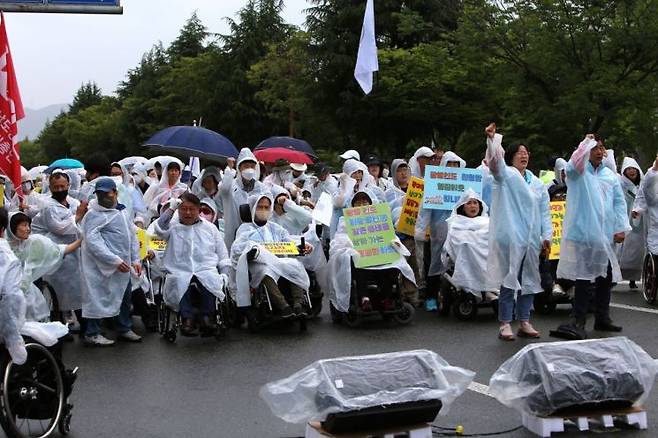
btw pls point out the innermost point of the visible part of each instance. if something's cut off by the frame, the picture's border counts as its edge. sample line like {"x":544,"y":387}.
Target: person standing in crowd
{"x":109,"y":252}
{"x":596,"y":218}
{"x":520,"y":231}
{"x":169,"y":186}
{"x":95,"y":167}
{"x":376,"y":169}
{"x":631,"y":252}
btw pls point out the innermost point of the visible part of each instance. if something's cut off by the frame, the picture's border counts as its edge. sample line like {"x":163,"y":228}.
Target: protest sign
{"x":445,"y":185}
{"x":324,"y":209}
{"x":371,"y":231}
{"x":282,"y":248}
{"x":558,"y":210}
{"x":142,"y":239}
{"x":411,"y":206}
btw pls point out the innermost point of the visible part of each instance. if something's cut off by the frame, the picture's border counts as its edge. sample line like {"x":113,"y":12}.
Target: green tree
{"x":88,"y":94}
{"x":191,"y":40}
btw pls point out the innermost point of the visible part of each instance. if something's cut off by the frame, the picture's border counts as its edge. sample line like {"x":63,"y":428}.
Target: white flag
{"x":366,"y":59}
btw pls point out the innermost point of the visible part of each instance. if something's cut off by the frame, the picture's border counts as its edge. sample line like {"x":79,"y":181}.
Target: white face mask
{"x":248,"y":174}
{"x":118,"y":180}
{"x":263,"y":216}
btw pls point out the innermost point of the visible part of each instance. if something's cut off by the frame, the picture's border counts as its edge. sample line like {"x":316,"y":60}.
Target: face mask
{"x":208,"y":217}
{"x":248,"y":174}
{"x":60,"y":196}
{"x":106,"y":201}
{"x":138,"y":179}
{"x":385,"y":173}
{"x":262,"y":216}
{"x":118,"y":180}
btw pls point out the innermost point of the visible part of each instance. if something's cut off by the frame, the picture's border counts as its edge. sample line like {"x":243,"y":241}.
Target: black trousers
{"x":602,"y":291}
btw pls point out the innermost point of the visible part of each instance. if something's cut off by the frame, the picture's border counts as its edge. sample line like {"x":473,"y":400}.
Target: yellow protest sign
{"x":142,"y":240}
{"x":2,"y":196}
{"x":282,"y":248}
{"x":411,"y":206}
{"x":157,"y":244}
{"x":558,"y":210}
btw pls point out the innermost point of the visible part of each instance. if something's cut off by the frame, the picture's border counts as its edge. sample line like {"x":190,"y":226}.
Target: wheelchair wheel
{"x":406,"y":314}
{"x":33,"y":400}
{"x":65,"y":422}
{"x":649,"y":279}
{"x":465,"y":308}
{"x":51,"y":298}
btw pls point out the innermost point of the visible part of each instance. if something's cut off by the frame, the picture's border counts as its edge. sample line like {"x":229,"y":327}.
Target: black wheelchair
{"x":34,"y":397}
{"x":649,"y":284}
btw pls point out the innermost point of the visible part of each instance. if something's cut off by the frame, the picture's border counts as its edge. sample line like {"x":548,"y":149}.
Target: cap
{"x":322,"y":169}
{"x":372,"y":159}
{"x":351,"y":154}
{"x":298,"y":167}
{"x":105,"y":185}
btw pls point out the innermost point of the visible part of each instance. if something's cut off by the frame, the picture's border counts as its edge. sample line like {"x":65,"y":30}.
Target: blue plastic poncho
{"x":596,"y":210}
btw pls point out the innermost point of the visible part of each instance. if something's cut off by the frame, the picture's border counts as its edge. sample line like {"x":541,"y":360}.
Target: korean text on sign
{"x":445,"y":185}
{"x":411,"y":206}
{"x":370,"y":229}
{"x":282,"y":248}
{"x":558,"y":210}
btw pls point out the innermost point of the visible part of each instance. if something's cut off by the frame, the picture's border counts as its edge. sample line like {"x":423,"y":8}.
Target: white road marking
{"x":636,"y":308}
{"x":480,"y":388}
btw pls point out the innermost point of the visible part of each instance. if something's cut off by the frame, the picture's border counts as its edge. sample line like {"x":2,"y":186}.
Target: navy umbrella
{"x":193,"y":141}
{"x":287,"y":143}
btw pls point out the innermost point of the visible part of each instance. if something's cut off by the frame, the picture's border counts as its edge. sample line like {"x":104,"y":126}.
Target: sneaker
{"x":431,"y":305}
{"x":606,"y":326}
{"x":557,"y":290}
{"x":98,"y":341}
{"x":129,"y":336}
{"x":287,"y":313}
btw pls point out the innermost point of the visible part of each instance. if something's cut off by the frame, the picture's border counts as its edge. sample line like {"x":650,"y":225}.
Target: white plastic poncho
{"x":467,"y":247}
{"x":196,"y":250}
{"x":353,"y":383}
{"x":265,"y":263}
{"x":159,"y":194}
{"x":394,"y":194}
{"x":596,"y":210}
{"x":339,"y":269}
{"x":545,"y":377}
{"x":109,"y":240}
{"x":39,"y":256}
{"x":295,"y":218}
{"x":57,"y":223}
{"x":201,"y":192}
{"x":520,"y":221}
{"x":646,"y":203}
{"x":413,"y":162}
{"x":12,"y":303}
{"x":233,"y":194}
{"x":317,"y":187}
{"x":631,"y":252}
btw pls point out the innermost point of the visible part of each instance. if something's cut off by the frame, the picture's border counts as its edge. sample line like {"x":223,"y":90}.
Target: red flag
{"x":11,"y":111}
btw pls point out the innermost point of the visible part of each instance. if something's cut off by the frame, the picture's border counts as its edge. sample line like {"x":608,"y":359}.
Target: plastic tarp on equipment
{"x":358,"y":382}
{"x":544,"y":378}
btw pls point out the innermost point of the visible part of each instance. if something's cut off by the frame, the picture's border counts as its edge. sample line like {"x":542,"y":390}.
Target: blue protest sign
{"x":445,"y":185}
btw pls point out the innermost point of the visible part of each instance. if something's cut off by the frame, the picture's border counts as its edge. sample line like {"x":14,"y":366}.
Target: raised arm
{"x":580,"y":157}
{"x":495,"y":155}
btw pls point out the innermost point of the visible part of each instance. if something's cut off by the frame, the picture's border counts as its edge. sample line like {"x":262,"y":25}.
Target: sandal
{"x":505,"y":332}
{"x":526,"y":330}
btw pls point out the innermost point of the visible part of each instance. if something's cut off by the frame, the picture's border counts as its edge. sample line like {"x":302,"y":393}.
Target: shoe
{"x":300,"y":311}
{"x":98,"y":341}
{"x":366,"y":305}
{"x":287,"y":313}
{"x":606,"y":326}
{"x":505,"y":332}
{"x":526,"y":330}
{"x":431,"y":305}
{"x":572,"y":331}
{"x":632,"y":284}
{"x":129,"y":336}
{"x":188,"y":329}
{"x":557,"y":290}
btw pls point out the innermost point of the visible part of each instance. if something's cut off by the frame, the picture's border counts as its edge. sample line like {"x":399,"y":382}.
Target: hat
{"x":351,"y":154}
{"x":322,"y":169}
{"x":105,"y":185}
{"x":298,"y":167}
{"x":372,"y":159}
{"x":424,"y":152}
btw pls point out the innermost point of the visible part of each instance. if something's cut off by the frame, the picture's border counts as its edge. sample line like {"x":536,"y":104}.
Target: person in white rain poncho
{"x":169,"y":187}
{"x":435,"y":220}
{"x":30,"y":202}
{"x":421,"y":158}
{"x":38,"y":256}
{"x":646,"y":207}
{"x":294,"y":218}
{"x":341,"y":252}
{"x":397,"y":190}
{"x":58,"y":220}
{"x":109,"y":252}
{"x":235,"y":189}
{"x":520,"y":229}
{"x":251,"y":259}
{"x":140,"y":174}
{"x":129,"y":196}
{"x":376,"y":170}
{"x":195,"y":252}
{"x":207,"y":186}
{"x":631,"y":252}
{"x":557,"y":189}
{"x":467,"y":245}
{"x":596,"y":218}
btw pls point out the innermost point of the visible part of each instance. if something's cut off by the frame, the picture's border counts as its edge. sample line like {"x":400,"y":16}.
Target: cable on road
{"x":440,"y":431}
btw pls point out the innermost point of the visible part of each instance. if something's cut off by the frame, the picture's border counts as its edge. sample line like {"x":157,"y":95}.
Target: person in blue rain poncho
{"x":436,"y":221}
{"x":109,"y":252}
{"x":255,"y":265}
{"x":195,"y":250}
{"x":596,"y":218}
{"x":520,"y":230}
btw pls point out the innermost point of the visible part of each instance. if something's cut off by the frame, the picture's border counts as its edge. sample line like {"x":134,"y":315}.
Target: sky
{"x":55,"y":53}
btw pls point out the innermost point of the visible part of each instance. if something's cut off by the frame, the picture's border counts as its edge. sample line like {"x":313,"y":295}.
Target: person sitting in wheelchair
{"x":466,"y":249}
{"x":341,"y":251}
{"x":196,"y":259}
{"x":255,"y":266}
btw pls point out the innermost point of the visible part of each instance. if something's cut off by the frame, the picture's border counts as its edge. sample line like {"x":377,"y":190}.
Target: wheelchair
{"x":649,"y":284}
{"x":383,"y":290}
{"x":34,"y":397}
{"x":463,"y":304}
{"x":51,"y":298}
{"x":169,"y":321}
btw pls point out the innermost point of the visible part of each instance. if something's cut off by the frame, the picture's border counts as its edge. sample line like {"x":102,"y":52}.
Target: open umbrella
{"x":193,"y":141}
{"x":270,"y":156}
{"x":36,"y":171}
{"x":64,"y":164}
{"x":287,"y":143}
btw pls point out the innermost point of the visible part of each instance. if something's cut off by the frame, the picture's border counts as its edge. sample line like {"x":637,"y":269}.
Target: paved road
{"x":204,"y":388}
